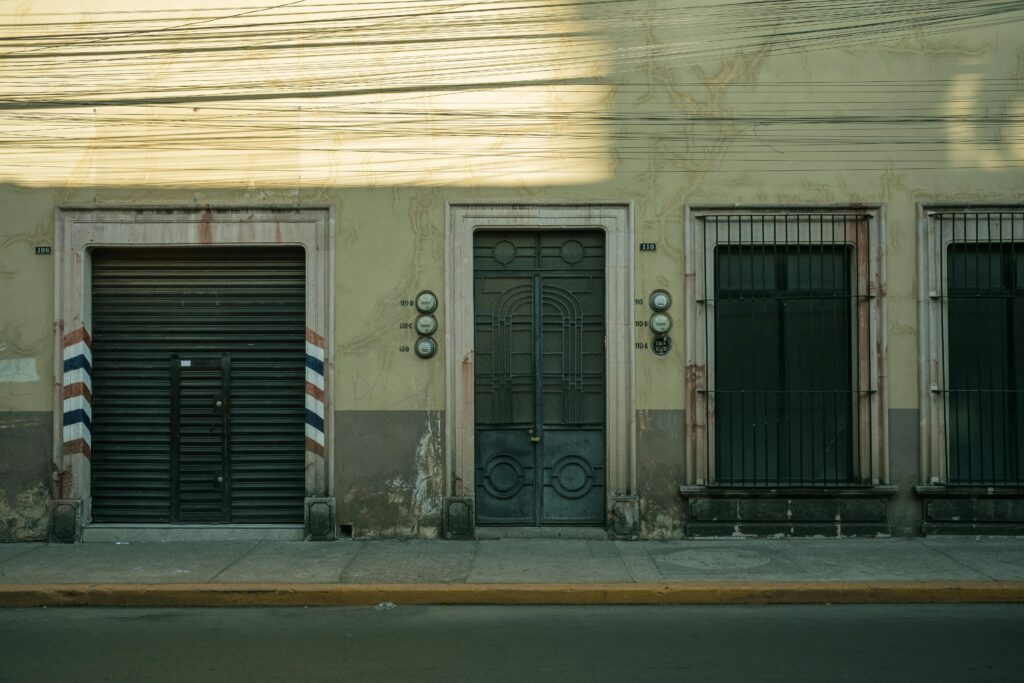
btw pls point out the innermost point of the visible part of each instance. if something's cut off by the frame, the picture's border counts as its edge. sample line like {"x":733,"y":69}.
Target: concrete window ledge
{"x":819,"y":511}
{"x":973,"y":510}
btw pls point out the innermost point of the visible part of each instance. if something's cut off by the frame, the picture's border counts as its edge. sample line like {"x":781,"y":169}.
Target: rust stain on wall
{"x":205,"y":234}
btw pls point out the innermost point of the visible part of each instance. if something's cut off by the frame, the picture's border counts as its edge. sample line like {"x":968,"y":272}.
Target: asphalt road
{"x":734,"y":643}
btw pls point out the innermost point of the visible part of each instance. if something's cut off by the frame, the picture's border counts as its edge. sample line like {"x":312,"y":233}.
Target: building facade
{"x":436,"y":270}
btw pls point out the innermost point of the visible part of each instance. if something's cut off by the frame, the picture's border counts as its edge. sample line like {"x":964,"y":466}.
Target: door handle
{"x":219,"y":482}
{"x":534,"y":438}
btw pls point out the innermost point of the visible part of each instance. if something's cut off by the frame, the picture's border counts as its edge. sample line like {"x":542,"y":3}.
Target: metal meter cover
{"x":425,"y":347}
{"x":426,"y":325}
{"x":660,"y":300}
{"x":661,"y":346}
{"x":660,"y":323}
{"x":426,"y":302}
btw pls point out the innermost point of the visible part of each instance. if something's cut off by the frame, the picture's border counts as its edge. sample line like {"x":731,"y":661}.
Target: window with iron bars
{"x":783,"y":364}
{"x":974,"y":262}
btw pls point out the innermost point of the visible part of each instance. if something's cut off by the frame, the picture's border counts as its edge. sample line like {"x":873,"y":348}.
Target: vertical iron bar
{"x":1004,"y":284}
{"x":746,"y":295}
{"x":863,"y":307}
{"x":1014,"y":395}
{"x":538,"y":394}
{"x":951,"y":397}
{"x":973,"y":379}
{"x":709,"y":310}
{"x":835,"y":326}
{"x":1010,"y":455}
{"x":779,"y":403}
{"x":801,"y":367}
{"x":765,"y":293}
{"x":992,"y":252}
{"x":815,"y":290}
{"x":755,"y":295}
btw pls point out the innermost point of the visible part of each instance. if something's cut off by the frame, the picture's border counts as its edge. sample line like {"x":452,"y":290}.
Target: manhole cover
{"x":718,"y":560}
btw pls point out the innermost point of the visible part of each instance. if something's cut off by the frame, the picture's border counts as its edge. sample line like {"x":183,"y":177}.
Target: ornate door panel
{"x":539,"y":385}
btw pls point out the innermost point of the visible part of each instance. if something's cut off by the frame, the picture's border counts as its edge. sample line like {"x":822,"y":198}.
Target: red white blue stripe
{"x":315,"y":357}
{"x":77,"y":393}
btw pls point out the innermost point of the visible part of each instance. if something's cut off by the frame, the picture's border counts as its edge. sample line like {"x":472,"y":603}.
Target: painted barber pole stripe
{"x":317,"y":380}
{"x":315,"y":352}
{"x":78,"y":377}
{"x":314,"y":434}
{"x":77,"y":393}
{"x":78,"y":447}
{"x":78,"y":349}
{"x":78,"y":335}
{"x":77,"y":389}
{"x":75,"y":432}
{"x":314,"y":391}
{"x":77,"y":403}
{"x":315,"y":363}
{"x":315,"y":406}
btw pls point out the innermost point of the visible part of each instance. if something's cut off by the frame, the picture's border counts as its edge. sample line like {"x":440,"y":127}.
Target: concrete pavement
{"x":514,"y":571}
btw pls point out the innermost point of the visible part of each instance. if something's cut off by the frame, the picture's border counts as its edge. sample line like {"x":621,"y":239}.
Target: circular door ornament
{"x":660,"y":323}
{"x":503,"y":476}
{"x":426,"y":302}
{"x":426,"y":325}
{"x":572,"y":477}
{"x":572,"y":252}
{"x":660,"y":300}
{"x":425,"y":347}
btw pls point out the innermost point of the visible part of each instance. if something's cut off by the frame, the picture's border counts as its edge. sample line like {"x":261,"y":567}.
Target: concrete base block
{"x":459,"y":519}
{"x":777,"y":512}
{"x":624,"y":517}
{"x":320,"y":519}
{"x":67,"y":521}
{"x":192,"y":533}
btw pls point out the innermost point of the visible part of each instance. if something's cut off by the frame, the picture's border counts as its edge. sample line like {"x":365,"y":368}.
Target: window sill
{"x":967,"y":491}
{"x":866,"y":491}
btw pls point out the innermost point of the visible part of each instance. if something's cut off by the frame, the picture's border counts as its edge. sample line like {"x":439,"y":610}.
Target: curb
{"x":705,"y":593}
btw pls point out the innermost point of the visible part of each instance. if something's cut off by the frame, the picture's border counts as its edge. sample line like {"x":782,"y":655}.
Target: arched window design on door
{"x":539,"y":377}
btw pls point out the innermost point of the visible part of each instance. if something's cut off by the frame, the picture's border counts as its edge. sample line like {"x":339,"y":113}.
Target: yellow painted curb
{"x":704,"y":593}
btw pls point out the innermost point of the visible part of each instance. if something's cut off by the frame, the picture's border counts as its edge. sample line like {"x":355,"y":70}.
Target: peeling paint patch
{"x":18,"y":370}
{"x":426,"y":491}
{"x":26,"y":518}
{"x":390,"y":488}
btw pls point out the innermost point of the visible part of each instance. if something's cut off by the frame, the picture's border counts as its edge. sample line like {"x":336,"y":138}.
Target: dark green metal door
{"x":198,"y":385}
{"x":540,"y":377}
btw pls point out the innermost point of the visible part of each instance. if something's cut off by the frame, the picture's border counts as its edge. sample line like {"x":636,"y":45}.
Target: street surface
{"x":730,"y":643}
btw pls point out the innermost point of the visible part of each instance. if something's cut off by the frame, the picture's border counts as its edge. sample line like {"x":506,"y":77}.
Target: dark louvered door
{"x":200,"y":438}
{"x":198,"y":385}
{"x":540,"y":377}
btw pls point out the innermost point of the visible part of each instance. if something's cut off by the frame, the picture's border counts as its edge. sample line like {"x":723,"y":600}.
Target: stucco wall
{"x":685,"y":128}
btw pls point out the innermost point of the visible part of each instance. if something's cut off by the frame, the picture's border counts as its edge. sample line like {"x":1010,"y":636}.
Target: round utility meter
{"x":660,"y":323}
{"x":661,"y":345}
{"x":426,"y":325}
{"x":426,"y":302}
{"x":660,"y":300}
{"x":425,"y":347}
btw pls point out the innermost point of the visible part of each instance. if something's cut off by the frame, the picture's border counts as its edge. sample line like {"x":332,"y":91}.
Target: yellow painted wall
{"x":386,"y":111}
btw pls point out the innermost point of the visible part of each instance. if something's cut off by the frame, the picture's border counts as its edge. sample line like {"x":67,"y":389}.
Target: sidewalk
{"x":963,"y":569}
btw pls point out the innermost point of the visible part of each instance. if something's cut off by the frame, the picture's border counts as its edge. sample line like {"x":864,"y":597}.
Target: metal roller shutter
{"x":198,"y":354}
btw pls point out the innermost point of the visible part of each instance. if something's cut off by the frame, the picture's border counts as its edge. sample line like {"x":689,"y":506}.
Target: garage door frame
{"x":80,"y":229}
